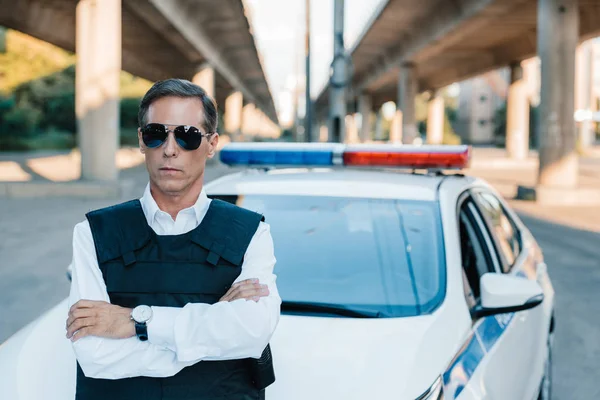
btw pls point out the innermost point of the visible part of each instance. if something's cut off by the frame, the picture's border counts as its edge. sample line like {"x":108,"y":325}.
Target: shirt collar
{"x":151,"y":208}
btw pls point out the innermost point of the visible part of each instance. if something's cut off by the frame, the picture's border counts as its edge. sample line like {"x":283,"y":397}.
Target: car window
{"x":374,"y":255}
{"x":502,"y":227}
{"x":477,"y":259}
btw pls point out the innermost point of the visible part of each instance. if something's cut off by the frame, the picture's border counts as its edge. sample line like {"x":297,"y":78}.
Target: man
{"x":173,"y":296}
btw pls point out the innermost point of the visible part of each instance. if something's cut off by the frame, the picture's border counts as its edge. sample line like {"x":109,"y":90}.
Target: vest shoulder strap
{"x":118,"y":231}
{"x":226,"y":231}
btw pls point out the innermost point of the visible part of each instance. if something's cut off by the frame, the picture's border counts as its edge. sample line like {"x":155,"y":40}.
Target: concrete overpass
{"x":410,"y":47}
{"x":208,"y":42}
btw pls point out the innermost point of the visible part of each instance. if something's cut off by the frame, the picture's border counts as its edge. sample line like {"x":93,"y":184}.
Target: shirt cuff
{"x":161,"y":328}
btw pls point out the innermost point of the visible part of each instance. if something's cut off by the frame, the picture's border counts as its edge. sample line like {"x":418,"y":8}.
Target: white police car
{"x":395,"y":285}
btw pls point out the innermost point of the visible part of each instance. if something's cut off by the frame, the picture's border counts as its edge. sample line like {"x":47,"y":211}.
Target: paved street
{"x":35,"y":249}
{"x":35,"y":240}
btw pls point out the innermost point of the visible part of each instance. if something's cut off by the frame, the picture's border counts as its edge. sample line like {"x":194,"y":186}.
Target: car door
{"x":496,"y":367}
{"x":526,"y":338}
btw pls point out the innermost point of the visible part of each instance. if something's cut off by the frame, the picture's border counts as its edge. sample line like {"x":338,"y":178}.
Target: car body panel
{"x":38,"y":362}
{"x":348,"y":358}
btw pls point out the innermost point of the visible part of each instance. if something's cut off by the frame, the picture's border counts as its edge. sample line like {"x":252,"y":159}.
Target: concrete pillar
{"x":407,"y":92}
{"x":205,"y":78}
{"x":365,"y":106}
{"x":351,"y":129}
{"x":249,"y":120}
{"x":323,"y":133}
{"x":396,"y":128}
{"x":435,"y":118}
{"x":98,"y":68}
{"x":379,"y":125}
{"x":584,"y":86}
{"x":264,"y":126}
{"x":517,"y":115}
{"x":233,"y":113}
{"x":339,"y":78}
{"x":558,"y":33}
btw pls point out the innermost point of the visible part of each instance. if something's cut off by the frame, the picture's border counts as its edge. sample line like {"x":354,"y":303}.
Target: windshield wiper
{"x":324,"y":308}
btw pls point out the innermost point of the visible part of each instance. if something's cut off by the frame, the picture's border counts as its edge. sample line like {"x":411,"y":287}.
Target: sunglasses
{"x":187,"y":136}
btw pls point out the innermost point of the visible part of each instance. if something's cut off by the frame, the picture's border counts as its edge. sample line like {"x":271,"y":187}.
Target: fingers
{"x":244,"y":282}
{"x":79,"y":324}
{"x":230,"y":292}
{"x":252,"y":291}
{"x":86,"y":304}
{"x":79,"y":313}
{"x":81,"y":333}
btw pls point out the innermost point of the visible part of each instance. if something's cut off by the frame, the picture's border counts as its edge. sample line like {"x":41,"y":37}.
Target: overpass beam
{"x":558,"y":34}
{"x":233,"y":114}
{"x":205,"y":78}
{"x":97,"y":77}
{"x":365,"y":105}
{"x":517,"y":115}
{"x":435,"y":118}
{"x":407,"y":93}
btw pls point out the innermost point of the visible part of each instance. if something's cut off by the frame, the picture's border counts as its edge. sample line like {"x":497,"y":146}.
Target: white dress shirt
{"x":177,"y":337}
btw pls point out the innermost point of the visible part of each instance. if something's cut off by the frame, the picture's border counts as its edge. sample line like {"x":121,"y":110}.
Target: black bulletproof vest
{"x":141,"y":267}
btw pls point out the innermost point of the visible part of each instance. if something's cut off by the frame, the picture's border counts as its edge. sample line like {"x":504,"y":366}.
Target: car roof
{"x":331,"y":182}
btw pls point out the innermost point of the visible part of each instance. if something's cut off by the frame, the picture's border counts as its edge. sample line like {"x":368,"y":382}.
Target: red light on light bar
{"x":409,"y":159}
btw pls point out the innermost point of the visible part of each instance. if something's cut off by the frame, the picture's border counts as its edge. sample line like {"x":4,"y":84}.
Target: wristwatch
{"x":141,"y":315}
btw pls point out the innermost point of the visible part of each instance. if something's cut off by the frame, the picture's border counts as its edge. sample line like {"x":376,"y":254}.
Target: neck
{"x":173,"y":202}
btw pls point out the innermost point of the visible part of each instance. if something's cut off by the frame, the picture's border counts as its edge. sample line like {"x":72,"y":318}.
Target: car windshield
{"x":354,"y":257}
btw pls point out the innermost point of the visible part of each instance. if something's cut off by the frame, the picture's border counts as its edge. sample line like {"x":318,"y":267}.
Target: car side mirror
{"x":502,"y":294}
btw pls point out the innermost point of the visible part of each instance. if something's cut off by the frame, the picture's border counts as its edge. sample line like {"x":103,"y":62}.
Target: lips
{"x":169,"y":169}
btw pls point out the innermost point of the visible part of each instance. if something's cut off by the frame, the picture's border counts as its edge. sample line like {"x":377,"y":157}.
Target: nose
{"x":170,"y":148}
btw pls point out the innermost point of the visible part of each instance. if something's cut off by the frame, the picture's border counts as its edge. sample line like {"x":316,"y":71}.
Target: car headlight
{"x":435,"y":392}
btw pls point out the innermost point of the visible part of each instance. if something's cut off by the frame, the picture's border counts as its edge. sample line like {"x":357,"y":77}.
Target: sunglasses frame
{"x":166,"y":128}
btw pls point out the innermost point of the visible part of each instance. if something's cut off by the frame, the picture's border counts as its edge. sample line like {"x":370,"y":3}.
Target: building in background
{"x":479,"y":100}
{"x":483,"y":97}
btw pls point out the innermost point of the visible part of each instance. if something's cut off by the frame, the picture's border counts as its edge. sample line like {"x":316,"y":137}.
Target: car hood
{"x":348,"y":358}
{"x":38,"y":361}
{"x":314,"y":357}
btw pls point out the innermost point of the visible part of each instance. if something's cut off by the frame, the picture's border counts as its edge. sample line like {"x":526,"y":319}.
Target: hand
{"x":99,"y":318}
{"x":250,"y":289}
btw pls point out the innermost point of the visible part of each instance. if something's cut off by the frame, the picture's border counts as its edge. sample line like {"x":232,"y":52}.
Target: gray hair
{"x":184,"y":89}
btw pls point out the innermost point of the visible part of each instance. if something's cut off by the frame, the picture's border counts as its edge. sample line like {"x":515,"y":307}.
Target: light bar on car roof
{"x":330,"y":154}
{"x":426,"y":157}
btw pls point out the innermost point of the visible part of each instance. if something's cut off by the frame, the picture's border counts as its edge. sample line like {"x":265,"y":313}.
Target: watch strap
{"x":141,"y":331}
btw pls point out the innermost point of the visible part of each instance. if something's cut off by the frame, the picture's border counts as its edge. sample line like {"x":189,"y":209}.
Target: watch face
{"x":142,"y":314}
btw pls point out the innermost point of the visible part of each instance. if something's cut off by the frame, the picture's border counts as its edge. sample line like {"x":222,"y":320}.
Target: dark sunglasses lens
{"x":188,"y":137}
{"x":154,"y":135}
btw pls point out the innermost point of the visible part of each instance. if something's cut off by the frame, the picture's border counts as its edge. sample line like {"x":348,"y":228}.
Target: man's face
{"x":172,"y":169}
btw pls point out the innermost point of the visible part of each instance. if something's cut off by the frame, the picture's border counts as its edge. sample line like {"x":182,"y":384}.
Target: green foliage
{"x":500,"y":126}
{"x":22,"y":121}
{"x":451,"y":113}
{"x":450,"y":137}
{"x":27,"y":58}
{"x":128,"y":136}
{"x":129,"y":112}
{"x":37,"y":96}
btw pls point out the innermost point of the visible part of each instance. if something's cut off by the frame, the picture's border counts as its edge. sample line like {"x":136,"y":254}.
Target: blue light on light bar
{"x":303,"y":154}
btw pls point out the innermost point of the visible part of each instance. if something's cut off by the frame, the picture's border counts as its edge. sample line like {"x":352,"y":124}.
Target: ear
{"x":213,"y":144}
{"x":141,"y":142}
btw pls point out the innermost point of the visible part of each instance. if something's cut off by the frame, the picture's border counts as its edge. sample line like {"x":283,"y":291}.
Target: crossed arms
{"x":239,"y":326}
